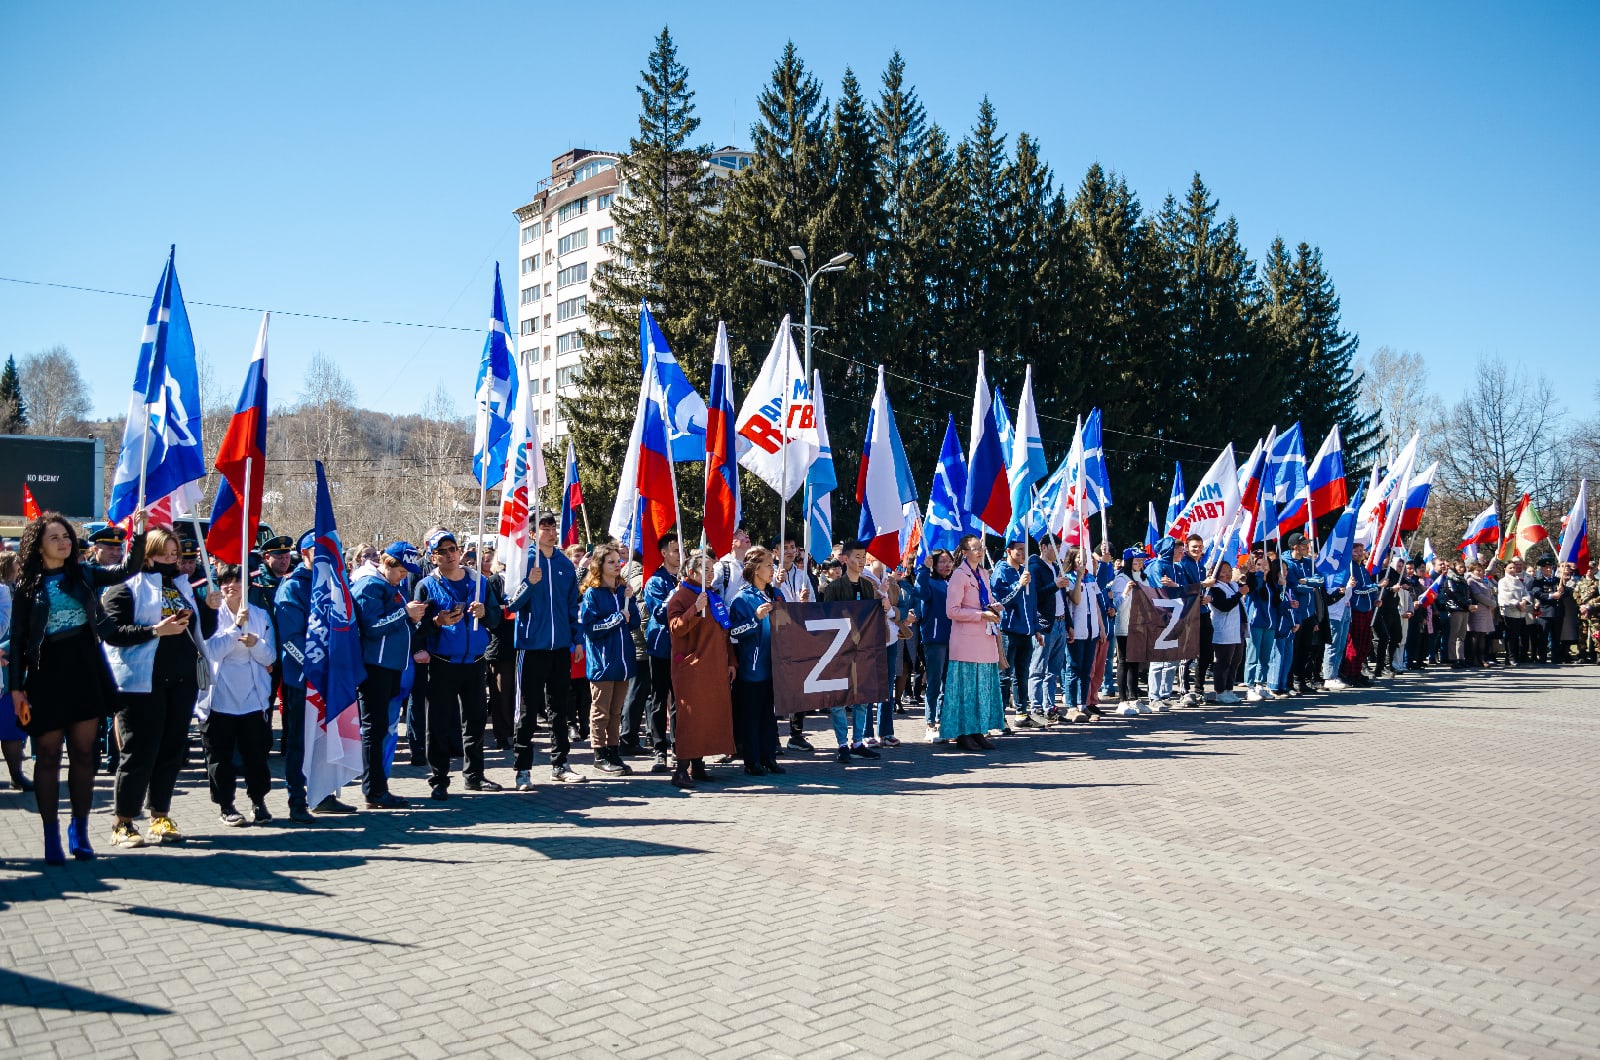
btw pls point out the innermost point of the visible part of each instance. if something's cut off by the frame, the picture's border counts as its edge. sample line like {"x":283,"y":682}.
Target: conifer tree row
{"x":1161,"y":318}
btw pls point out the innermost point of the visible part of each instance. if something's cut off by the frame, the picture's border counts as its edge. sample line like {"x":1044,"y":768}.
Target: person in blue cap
{"x":292,"y":608}
{"x":386,"y":619}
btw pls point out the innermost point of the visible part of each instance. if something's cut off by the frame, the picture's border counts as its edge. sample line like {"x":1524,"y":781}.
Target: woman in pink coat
{"x":972,"y":703}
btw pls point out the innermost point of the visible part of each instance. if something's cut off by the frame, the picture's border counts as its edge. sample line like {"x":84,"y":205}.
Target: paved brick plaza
{"x":1410,"y":871}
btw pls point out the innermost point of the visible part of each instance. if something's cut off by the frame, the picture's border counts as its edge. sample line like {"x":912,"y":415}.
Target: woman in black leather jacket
{"x":61,"y":685}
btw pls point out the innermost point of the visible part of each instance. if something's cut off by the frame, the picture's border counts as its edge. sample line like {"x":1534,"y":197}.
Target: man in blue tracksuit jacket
{"x":291,"y":607}
{"x":1019,"y":625}
{"x":546,"y":610}
{"x":1050,"y":651}
{"x":386,"y":619}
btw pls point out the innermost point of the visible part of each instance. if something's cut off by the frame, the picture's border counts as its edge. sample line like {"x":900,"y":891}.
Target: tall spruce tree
{"x":13,"y":407}
{"x":663,"y":222}
{"x":982,"y":239}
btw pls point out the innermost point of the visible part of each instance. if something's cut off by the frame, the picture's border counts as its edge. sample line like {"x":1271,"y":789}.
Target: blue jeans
{"x":294,"y":743}
{"x":1046,"y":672}
{"x":935,"y":657}
{"x":1257,"y":655}
{"x":1080,"y":668}
{"x":1333,"y":654}
{"x":1282,"y":662}
{"x":1108,"y":684}
{"x":1162,"y":677}
{"x":886,"y":707}
{"x":848,"y":720}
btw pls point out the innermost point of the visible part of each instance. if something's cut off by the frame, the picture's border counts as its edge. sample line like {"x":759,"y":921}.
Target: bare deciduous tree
{"x":1394,"y":386}
{"x":57,"y":396}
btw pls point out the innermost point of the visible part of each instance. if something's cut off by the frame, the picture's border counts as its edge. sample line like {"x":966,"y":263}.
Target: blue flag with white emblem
{"x":946,"y":521}
{"x":1333,"y":562}
{"x":163,"y":430}
{"x":685,"y":410}
{"x":496,"y":395}
{"x":333,"y":666}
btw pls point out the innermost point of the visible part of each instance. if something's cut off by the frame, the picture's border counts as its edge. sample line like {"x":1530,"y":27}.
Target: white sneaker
{"x":1230,"y":697}
{"x":1128,"y":710}
{"x":931,"y":734}
{"x":1333,"y":684}
{"x":1268,"y":694}
{"x":524,"y":780}
{"x":872,"y":741}
{"x":1193,"y":699}
{"x":1143,"y":706}
{"x":1160,"y":706}
{"x":1253,"y":695}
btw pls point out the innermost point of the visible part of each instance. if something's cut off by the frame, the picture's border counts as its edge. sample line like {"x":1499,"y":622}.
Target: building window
{"x":547,"y":320}
{"x":572,"y":307}
{"x":547,"y":353}
{"x":547,"y":384}
{"x":549,"y":256}
{"x":530,"y":325}
{"x":547,"y":417}
{"x":606,"y":334}
{"x":593,"y":167}
{"x":529,"y":264}
{"x":547,"y":291}
{"x":572,"y":274}
{"x":568,"y":376}
{"x":569,"y":341}
{"x":604,"y":236}
{"x":530,"y":233}
{"x":530,"y":295}
{"x":572,"y":241}
{"x":603,"y":200}
{"x":575,"y":208}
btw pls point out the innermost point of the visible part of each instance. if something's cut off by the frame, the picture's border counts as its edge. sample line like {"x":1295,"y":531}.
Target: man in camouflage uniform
{"x":1586,"y":593}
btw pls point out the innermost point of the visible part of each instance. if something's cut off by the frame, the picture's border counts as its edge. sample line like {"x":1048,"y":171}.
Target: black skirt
{"x":72,"y":683}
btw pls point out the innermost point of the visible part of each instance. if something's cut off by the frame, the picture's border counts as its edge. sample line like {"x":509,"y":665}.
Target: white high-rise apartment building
{"x":565,"y":237}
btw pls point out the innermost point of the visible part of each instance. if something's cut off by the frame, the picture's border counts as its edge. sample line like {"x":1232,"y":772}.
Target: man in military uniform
{"x":1546,"y":591}
{"x":1586,"y":594}
{"x":104,"y":542}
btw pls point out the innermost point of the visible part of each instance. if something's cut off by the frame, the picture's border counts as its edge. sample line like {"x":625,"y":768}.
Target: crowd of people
{"x":118,"y":648}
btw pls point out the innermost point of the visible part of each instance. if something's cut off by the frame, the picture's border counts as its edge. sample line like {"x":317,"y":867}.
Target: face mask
{"x":166,"y":570}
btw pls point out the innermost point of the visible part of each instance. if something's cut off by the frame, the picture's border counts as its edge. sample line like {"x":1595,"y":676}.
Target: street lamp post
{"x":837,"y":263}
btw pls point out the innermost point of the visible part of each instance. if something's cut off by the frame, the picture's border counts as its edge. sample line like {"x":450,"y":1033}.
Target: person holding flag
{"x":386,"y":620}
{"x":1517,"y":610}
{"x":545,"y":606}
{"x":233,"y":710}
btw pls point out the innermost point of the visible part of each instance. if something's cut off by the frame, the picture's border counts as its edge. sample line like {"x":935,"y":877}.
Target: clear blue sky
{"x":364,"y":160}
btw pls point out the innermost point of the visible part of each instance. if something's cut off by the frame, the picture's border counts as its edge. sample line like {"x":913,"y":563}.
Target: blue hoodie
{"x":931,"y":594}
{"x":291,"y":608}
{"x":465,"y":641}
{"x":657,"y":637}
{"x":547,"y":613}
{"x":385,"y":626}
{"x":1259,"y":601}
{"x":606,"y":616}
{"x":1019,"y":615}
{"x":752,"y":636}
{"x":1163,"y":566}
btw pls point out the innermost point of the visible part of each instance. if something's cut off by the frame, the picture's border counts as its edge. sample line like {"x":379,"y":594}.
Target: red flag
{"x":30,"y":507}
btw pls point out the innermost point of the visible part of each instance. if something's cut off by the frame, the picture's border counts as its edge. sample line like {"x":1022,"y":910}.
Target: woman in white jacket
{"x":233,"y":710}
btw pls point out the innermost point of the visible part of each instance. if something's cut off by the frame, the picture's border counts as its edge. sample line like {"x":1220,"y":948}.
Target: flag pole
{"x":205,"y":560}
{"x":477,"y":583}
{"x":244,"y":535}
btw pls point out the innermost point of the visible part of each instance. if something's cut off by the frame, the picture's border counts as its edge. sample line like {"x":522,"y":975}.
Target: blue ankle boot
{"x":78,"y":839}
{"x":52,"y":845}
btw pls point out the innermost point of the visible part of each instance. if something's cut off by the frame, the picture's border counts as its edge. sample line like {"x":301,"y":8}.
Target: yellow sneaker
{"x":162,"y":830}
{"x":126,"y":835}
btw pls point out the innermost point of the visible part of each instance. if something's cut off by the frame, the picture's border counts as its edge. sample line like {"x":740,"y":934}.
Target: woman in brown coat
{"x":702,"y":676}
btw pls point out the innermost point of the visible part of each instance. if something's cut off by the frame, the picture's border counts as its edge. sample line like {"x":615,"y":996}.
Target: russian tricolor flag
{"x":1483,"y":530}
{"x":571,"y":498}
{"x":1574,"y":546}
{"x":1324,"y":483}
{"x":722,"y":454}
{"x":1417,"y":498}
{"x":647,"y":506}
{"x":878,"y":487}
{"x":988,"y":498}
{"x":242,"y":463}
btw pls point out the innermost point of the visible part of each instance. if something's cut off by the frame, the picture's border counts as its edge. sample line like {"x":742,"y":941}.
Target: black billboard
{"x":65,"y":475}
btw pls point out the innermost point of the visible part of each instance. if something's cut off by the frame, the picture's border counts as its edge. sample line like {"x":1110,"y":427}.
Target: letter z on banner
{"x":1164,"y":625}
{"x":828,"y":655}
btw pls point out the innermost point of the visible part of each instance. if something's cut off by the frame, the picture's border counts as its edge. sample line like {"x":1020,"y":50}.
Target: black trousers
{"x":375,"y":694}
{"x":154,"y":727}
{"x":1387,"y":629}
{"x":636,"y":707}
{"x":755,"y":727}
{"x":547,"y":680}
{"x":1308,"y":651}
{"x":1128,"y":673}
{"x":1416,"y":641}
{"x":1228,"y":662}
{"x":663,"y":709}
{"x":457,"y":703}
{"x":417,"y":715}
{"x":502,"y":671}
{"x":251,"y":736}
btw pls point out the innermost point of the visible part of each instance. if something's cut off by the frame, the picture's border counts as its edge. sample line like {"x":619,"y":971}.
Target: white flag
{"x":777,"y":424}
{"x":1213,"y":503}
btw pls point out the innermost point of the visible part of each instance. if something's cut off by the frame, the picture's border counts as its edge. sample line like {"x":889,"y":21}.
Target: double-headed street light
{"x":837,"y":263}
